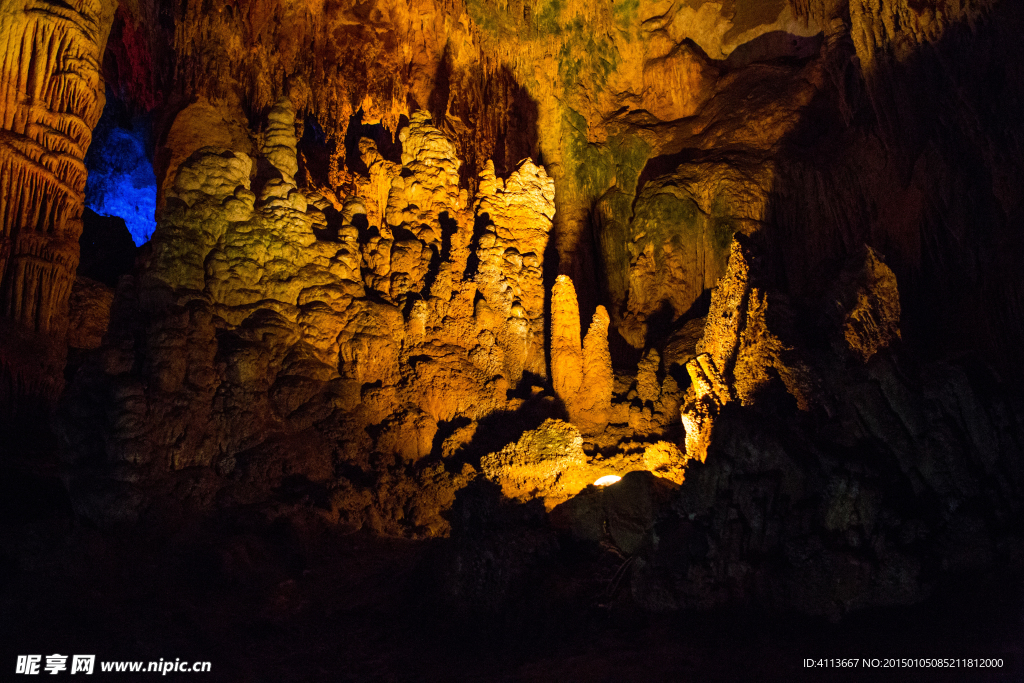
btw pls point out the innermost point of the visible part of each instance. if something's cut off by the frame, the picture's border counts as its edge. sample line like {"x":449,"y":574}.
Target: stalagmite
{"x":581,"y":373}
{"x":518,"y":214}
{"x":566,"y":347}
{"x":593,"y":403}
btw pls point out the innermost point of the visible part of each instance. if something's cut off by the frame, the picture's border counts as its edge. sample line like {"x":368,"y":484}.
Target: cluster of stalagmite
{"x":395,"y":322}
{"x":382,"y":337}
{"x":580,"y":373}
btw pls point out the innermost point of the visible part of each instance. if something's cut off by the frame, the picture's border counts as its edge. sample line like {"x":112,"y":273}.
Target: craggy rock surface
{"x":51,"y":97}
{"x":264,"y":342}
{"x":428,"y":271}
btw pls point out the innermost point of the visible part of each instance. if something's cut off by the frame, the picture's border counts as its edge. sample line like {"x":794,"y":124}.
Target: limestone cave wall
{"x":759,"y":259}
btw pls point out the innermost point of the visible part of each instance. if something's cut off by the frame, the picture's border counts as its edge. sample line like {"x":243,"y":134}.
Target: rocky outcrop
{"x":715,"y":180}
{"x":739,"y":355}
{"x":867,"y":307}
{"x":546,"y":463}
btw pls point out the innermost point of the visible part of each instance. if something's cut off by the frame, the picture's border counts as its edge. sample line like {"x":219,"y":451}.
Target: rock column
{"x":51,"y":97}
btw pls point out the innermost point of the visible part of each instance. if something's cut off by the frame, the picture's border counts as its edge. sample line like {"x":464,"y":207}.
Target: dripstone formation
{"x":52,"y":98}
{"x":432,"y":270}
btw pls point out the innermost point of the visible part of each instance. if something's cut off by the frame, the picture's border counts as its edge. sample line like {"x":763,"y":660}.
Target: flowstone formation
{"x":50,"y":55}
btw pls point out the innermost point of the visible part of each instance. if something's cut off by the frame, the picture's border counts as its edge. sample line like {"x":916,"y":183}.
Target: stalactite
{"x":51,"y":96}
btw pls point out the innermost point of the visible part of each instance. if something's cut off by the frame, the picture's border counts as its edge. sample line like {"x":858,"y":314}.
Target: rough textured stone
{"x":544,"y":463}
{"x":89,"y":313}
{"x":343,"y":312}
{"x":51,"y":97}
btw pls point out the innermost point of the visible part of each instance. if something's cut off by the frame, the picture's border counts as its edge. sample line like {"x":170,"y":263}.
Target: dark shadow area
{"x":315,"y":151}
{"x":775,"y":45}
{"x":334,"y":222}
{"x":481,"y":223}
{"x":448,"y":228}
{"x":507,"y":597}
{"x":910,"y":162}
{"x":106,"y":248}
{"x":488,"y":114}
{"x":551,"y":271}
{"x":500,"y":428}
{"x":388,"y":144}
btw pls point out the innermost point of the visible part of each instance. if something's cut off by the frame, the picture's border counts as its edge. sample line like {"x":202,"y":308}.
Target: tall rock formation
{"x":581,"y":373}
{"x":51,"y":97}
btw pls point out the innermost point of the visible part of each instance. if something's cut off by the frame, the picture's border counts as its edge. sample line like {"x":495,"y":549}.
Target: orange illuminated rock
{"x":593,"y":402}
{"x":51,"y":98}
{"x":50,"y":55}
{"x":581,"y":373}
{"x":510,"y":251}
{"x":546,"y":463}
{"x":566,"y":346}
{"x":740,"y":354}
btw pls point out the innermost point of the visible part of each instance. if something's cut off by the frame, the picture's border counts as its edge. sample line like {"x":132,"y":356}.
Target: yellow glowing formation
{"x":607,"y":480}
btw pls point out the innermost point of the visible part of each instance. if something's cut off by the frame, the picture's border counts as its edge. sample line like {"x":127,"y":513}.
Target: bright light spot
{"x":607,"y":480}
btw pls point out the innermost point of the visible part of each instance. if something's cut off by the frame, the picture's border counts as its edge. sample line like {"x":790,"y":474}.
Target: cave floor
{"x":293,"y":600}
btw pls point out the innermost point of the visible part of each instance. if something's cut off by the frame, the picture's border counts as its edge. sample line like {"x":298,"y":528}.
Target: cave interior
{"x":508,"y":340}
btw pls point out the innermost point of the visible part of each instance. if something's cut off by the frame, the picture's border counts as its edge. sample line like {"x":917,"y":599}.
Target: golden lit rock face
{"x":51,"y":97}
{"x":549,"y":463}
{"x":740,"y":354}
{"x":545,"y":463}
